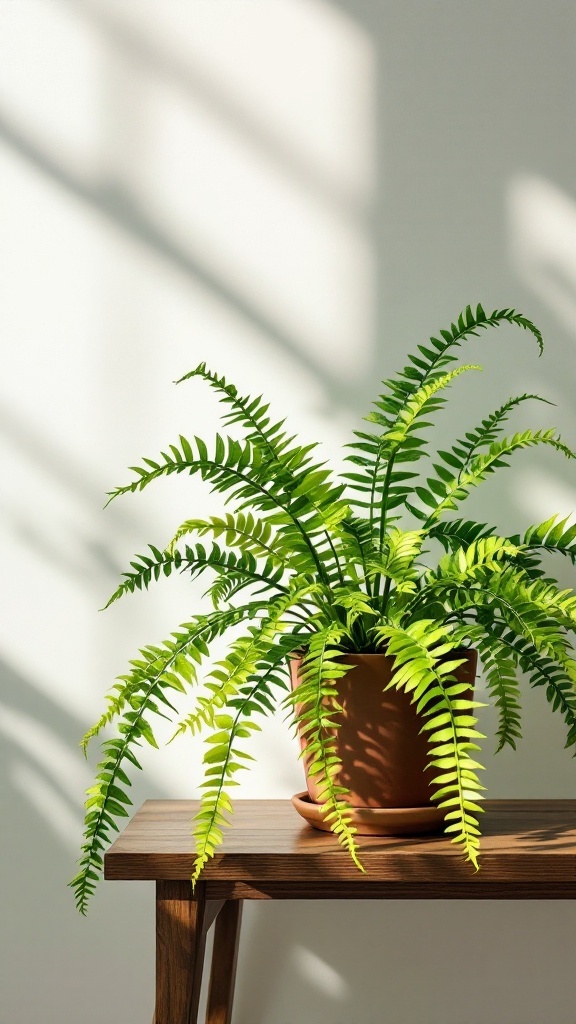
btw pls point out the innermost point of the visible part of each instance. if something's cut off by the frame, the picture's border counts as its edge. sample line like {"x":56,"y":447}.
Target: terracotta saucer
{"x":376,"y":821}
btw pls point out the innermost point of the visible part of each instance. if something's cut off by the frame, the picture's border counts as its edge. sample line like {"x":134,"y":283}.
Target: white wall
{"x":297,"y":191}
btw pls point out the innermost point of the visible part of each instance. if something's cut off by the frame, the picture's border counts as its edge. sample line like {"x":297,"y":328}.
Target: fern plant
{"x":304,"y":561}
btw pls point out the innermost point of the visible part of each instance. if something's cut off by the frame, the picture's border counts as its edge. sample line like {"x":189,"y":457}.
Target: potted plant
{"x":328,"y":574}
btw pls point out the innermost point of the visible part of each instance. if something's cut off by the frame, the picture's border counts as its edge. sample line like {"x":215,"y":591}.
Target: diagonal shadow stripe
{"x":114,"y":202}
{"x":141,"y":49}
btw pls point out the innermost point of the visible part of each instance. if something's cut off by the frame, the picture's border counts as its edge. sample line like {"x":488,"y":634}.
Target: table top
{"x":527,"y":845}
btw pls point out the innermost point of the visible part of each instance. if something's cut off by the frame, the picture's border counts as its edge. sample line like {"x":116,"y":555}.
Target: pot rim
{"x":298,"y":655}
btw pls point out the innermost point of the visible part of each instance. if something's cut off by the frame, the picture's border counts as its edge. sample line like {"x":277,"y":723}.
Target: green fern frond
{"x":306,"y":503}
{"x":243,"y":531}
{"x":159,"y":670}
{"x":553,"y":535}
{"x":252,"y":413}
{"x":463,"y":575}
{"x":557,"y":677}
{"x":465,"y":449}
{"x":358,"y":615}
{"x":486,"y":553}
{"x":559,"y":681}
{"x":397,"y":566}
{"x":418,"y":404}
{"x":532,"y":609}
{"x":316,"y":498}
{"x":210,"y":712}
{"x":292,"y":467}
{"x":315,"y":698}
{"x":357,"y":540}
{"x":443,"y":494}
{"x":424,"y":367}
{"x":197,"y":560}
{"x":425,"y":658}
{"x":397,"y":443}
{"x":169,"y":667}
{"x":232,"y":671}
{"x":236,"y":579}
{"x":232,"y":467}
{"x":432,"y":361}
{"x":501,"y":665}
{"x":223,"y":758}
{"x":556,"y":608}
{"x":144,"y":570}
{"x":459,"y":533}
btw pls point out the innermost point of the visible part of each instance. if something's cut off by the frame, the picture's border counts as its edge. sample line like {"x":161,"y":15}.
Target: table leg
{"x":224,"y":959}
{"x":180,"y":939}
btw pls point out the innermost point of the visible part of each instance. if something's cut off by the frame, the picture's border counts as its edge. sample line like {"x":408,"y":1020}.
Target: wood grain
{"x":256,"y":890}
{"x":530,"y":844}
{"x":224,"y":960}
{"x":180,"y":937}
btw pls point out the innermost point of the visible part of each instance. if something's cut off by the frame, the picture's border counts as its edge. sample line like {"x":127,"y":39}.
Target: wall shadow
{"x":49,"y":951}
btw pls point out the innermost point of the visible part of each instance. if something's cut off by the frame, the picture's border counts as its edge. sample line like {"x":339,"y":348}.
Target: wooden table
{"x":528,"y":852}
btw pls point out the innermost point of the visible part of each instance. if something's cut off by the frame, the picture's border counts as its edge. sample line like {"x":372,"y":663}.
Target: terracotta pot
{"x":383,"y":752}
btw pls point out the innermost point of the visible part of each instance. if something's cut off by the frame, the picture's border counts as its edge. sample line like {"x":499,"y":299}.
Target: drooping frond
{"x":501,"y":666}
{"x":208,"y":708}
{"x":558,"y":679}
{"x":557,"y":608}
{"x":316,"y":702}
{"x":159,"y":671}
{"x":532,"y":609}
{"x":462,"y":577}
{"x":232,"y":671}
{"x":560,"y":686}
{"x":223,"y":757}
{"x":170,"y":665}
{"x":235,"y":579}
{"x":234,"y":683}
{"x":425,"y":658}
